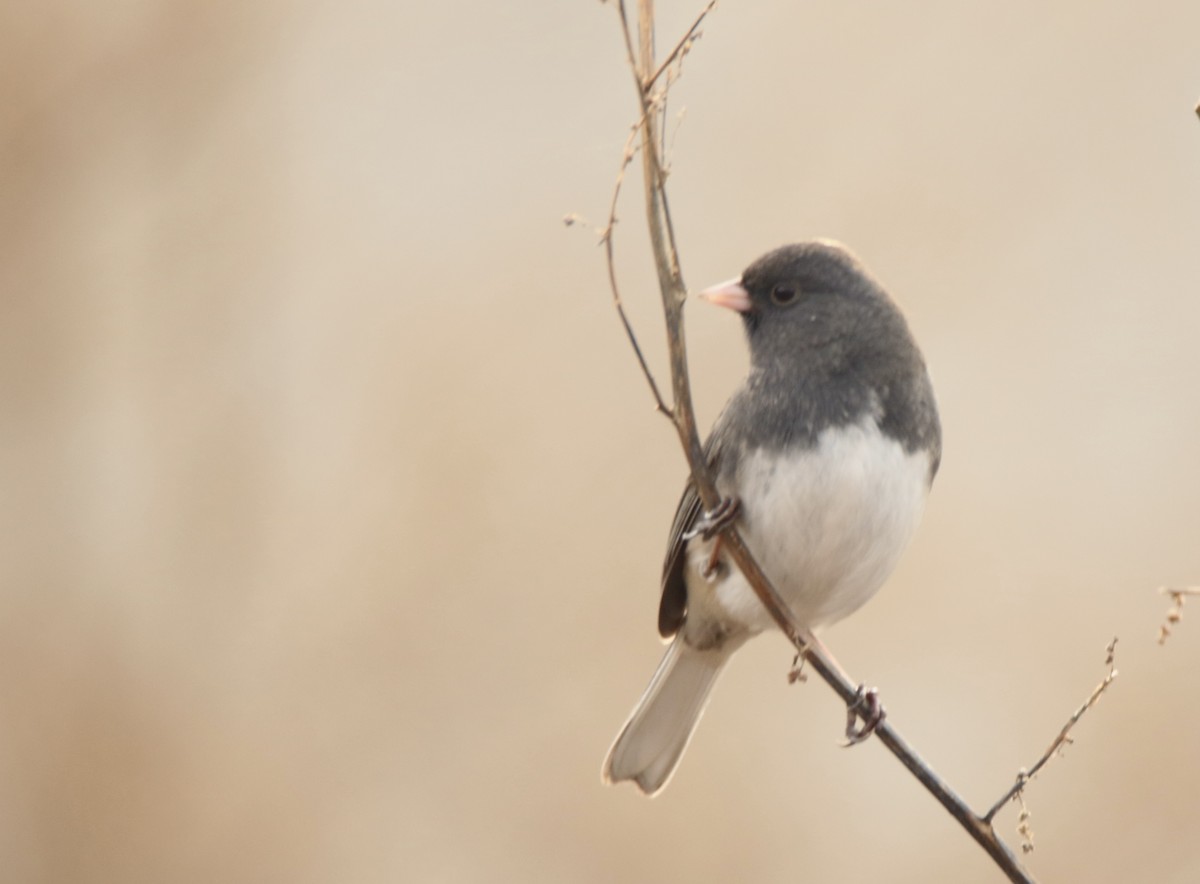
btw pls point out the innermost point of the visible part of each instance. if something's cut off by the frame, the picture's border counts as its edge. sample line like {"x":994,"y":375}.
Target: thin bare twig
{"x":630,"y":53}
{"x":687,"y":37}
{"x":607,"y":238}
{"x":674,"y":293}
{"x":1063,"y":738}
{"x":674,"y":57}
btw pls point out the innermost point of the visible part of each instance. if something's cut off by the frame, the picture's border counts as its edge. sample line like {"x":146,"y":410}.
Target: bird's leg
{"x":717,"y":520}
{"x":810,"y":638}
{"x":866,"y":700}
{"x":866,"y":703}
{"x":713,"y":563}
{"x":709,"y":527}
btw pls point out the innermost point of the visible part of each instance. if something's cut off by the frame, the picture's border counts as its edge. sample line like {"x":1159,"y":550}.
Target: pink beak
{"x":730,"y":294}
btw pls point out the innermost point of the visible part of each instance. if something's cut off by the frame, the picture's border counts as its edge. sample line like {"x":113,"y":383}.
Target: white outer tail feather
{"x":650,"y":745}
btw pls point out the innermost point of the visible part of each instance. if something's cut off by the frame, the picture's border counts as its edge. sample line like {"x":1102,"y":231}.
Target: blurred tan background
{"x":333,"y":502}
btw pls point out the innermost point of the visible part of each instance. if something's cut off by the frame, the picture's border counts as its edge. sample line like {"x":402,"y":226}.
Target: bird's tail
{"x":650,"y":745}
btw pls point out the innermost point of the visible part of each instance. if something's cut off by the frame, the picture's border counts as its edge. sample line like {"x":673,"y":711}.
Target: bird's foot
{"x":866,"y":704}
{"x":716,"y":520}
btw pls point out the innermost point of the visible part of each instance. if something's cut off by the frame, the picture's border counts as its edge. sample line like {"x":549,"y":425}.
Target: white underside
{"x":827,"y":526}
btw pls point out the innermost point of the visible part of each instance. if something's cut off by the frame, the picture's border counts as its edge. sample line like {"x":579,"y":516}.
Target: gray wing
{"x":672,"y":607}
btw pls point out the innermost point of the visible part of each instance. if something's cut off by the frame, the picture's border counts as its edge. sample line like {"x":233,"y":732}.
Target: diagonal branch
{"x":1063,"y":738}
{"x":687,"y":37}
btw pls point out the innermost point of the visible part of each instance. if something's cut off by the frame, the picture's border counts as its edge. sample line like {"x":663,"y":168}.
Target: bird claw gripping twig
{"x":716,"y":520}
{"x":866,"y":703}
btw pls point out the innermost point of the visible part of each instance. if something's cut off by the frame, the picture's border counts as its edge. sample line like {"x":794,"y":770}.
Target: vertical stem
{"x":670,"y":280}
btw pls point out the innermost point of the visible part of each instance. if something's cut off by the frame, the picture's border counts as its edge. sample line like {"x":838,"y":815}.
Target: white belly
{"x":828,"y":526}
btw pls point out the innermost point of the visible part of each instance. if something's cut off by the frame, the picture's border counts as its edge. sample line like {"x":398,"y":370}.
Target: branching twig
{"x":684,"y":41}
{"x":606,"y":238}
{"x":682,"y":416}
{"x":1178,"y":595}
{"x":1063,"y":739}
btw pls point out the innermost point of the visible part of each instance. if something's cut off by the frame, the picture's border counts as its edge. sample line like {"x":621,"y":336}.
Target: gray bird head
{"x":827,"y":345}
{"x":809,"y":304}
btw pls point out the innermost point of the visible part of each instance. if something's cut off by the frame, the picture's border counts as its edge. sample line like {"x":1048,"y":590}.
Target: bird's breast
{"x":827,"y":522}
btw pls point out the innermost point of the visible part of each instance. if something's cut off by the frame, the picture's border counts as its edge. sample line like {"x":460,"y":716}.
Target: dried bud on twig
{"x":1178,"y":595}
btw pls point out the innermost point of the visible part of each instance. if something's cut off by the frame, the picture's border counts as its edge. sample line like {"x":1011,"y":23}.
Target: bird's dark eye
{"x":783,"y":294}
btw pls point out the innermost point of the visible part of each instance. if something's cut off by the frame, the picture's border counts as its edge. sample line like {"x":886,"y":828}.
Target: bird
{"x":824,"y":456}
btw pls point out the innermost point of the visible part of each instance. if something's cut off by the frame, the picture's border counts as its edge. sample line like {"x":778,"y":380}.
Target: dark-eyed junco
{"x":828,"y":449}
